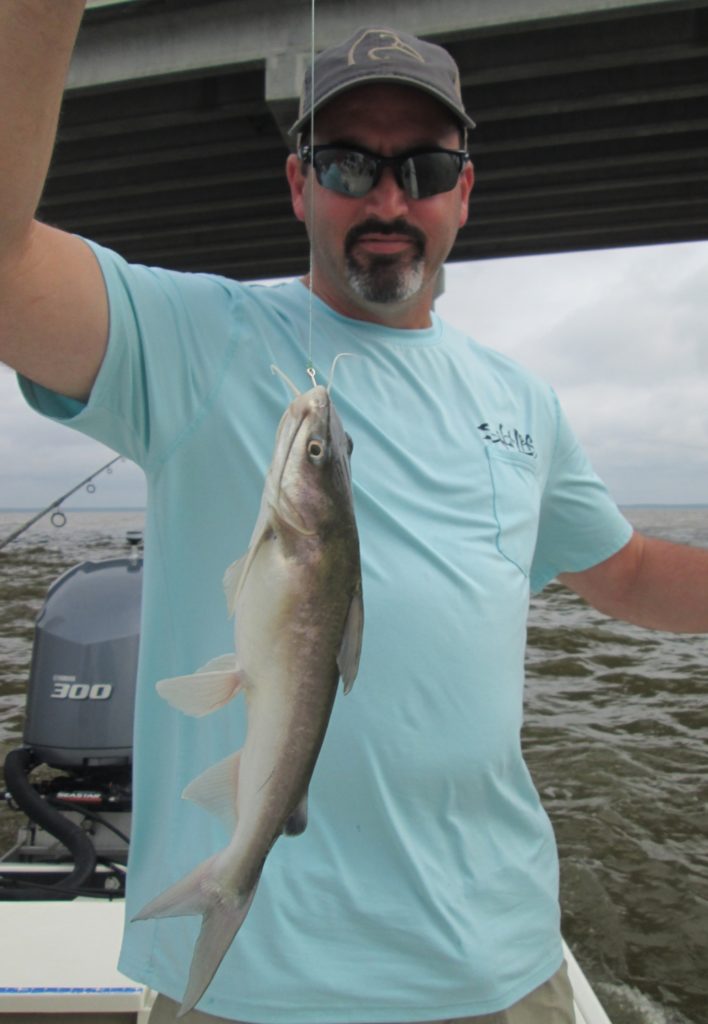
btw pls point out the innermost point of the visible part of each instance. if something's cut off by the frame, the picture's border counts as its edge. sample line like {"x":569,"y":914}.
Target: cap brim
{"x":389,"y":79}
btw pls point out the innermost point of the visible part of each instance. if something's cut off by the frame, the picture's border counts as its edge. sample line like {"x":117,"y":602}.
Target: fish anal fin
{"x":350,"y":648}
{"x":216,"y":788}
{"x":201,"y":693}
{"x":188,"y":896}
{"x":296,"y":823}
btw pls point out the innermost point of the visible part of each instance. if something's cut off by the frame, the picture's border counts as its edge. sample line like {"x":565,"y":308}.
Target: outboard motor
{"x":82,"y":680}
{"x":79,"y":720}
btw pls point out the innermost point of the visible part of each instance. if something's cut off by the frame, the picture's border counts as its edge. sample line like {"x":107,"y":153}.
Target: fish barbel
{"x":297,"y":599}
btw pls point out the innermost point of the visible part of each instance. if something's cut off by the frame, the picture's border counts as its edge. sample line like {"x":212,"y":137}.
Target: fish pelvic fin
{"x":223,"y":912}
{"x":350,"y":648}
{"x":204,"y":691}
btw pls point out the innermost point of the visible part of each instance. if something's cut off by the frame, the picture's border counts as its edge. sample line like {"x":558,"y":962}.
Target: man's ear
{"x":296,"y":181}
{"x":467,"y":184}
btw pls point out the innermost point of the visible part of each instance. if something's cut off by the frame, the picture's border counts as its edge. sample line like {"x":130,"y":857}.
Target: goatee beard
{"x":385,"y":278}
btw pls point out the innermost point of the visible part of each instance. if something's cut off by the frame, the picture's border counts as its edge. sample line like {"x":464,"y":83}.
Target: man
{"x":425,"y":886}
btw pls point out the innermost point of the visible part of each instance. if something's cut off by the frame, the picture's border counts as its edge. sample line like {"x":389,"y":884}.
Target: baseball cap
{"x":382,"y":55}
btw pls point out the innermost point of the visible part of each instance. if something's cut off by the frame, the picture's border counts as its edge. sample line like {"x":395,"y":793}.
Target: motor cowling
{"x":81,"y":691}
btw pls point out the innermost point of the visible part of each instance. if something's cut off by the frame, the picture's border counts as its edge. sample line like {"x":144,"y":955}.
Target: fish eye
{"x":350,"y":444}
{"x":315,"y":448}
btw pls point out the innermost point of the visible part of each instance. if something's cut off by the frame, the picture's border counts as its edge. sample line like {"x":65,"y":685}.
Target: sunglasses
{"x":354,"y":172}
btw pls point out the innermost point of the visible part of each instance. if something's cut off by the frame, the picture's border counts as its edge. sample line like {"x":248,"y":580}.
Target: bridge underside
{"x":592,"y":128}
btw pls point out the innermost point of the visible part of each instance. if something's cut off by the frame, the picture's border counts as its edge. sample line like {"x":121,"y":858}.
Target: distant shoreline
{"x":78,"y":508}
{"x":141,"y":508}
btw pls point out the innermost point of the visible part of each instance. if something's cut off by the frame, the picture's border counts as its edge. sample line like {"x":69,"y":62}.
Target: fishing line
{"x":311,"y":177}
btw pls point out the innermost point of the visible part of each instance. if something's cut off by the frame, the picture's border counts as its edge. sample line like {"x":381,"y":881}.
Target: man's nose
{"x":387,"y":197}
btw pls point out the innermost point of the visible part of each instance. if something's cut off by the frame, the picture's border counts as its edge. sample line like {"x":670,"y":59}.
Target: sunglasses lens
{"x":428,"y":174}
{"x":345,"y":171}
{"x":353,"y":173}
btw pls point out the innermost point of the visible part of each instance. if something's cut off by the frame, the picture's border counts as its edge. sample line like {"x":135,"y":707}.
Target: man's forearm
{"x":53,"y":305}
{"x":651,"y":583}
{"x":36,"y":41}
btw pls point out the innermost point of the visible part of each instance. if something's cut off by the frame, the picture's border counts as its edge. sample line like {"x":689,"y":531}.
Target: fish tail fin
{"x":220,"y":924}
{"x":223,"y":912}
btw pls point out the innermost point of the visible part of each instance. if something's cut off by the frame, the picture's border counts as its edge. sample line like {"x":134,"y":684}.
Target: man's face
{"x":377,"y":257}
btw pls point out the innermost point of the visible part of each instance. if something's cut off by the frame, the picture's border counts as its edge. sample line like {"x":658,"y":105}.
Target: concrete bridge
{"x":592,"y":124}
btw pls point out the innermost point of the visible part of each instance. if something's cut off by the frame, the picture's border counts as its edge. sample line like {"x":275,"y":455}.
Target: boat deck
{"x":57,"y":964}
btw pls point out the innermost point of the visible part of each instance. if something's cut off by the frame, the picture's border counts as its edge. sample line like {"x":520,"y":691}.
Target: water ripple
{"x":616,"y":736}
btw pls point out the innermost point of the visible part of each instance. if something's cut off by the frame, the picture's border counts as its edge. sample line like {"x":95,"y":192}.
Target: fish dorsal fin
{"x":202,"y":692}
{"x":296,"y":823}
{"x":350,"y":647}
{"x":216,"y":790}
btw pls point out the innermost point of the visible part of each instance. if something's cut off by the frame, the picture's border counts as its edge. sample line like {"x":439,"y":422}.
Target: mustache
{"x":381,"y":227}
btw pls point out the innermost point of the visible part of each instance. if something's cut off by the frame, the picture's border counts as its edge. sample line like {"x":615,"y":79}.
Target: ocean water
{"x":616,"y":736}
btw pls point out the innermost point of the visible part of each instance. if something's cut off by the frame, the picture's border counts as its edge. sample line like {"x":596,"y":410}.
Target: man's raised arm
{"x":53,"y":309}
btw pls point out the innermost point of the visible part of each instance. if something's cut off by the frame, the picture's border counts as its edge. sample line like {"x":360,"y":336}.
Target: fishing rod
{"x":58,"y":517}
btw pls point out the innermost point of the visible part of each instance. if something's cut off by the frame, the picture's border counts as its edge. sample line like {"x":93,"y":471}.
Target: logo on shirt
{"x":509,"y":438}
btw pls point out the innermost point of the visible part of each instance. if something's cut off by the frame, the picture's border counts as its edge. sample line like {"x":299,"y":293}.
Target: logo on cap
{"x":387,"y":45}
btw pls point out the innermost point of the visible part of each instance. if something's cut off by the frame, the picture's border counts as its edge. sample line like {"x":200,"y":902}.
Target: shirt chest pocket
{"x":516,"y":500}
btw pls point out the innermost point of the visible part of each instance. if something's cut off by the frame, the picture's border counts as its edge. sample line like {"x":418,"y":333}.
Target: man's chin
{"x":385,"y":282}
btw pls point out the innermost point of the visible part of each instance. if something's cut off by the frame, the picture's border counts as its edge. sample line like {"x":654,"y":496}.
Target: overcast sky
{"x":622,"y":335}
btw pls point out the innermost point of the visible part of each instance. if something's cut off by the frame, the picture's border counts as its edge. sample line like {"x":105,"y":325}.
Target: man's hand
{"x":53,"y":308}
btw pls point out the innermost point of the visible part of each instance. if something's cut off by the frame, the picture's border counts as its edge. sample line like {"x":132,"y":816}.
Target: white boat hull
{"x":60,"y":957}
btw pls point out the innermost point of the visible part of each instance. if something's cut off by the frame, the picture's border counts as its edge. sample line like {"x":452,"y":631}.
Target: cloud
{"x":621,"y":336}
{"x":41,"y":460}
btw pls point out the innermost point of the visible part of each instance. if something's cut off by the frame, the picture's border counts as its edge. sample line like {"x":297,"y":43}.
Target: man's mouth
{"x":379,"y":238}
{"x":384,"y":244}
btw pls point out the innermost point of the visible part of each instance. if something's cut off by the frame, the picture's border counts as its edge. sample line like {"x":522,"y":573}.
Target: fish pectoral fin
{"x":201,"y":693}
{"x":233,"y":579}
{"x":235,"y":576}
{"x":216,"y":788}
{"x":296,"y":823}
{"x":350,"y":647}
